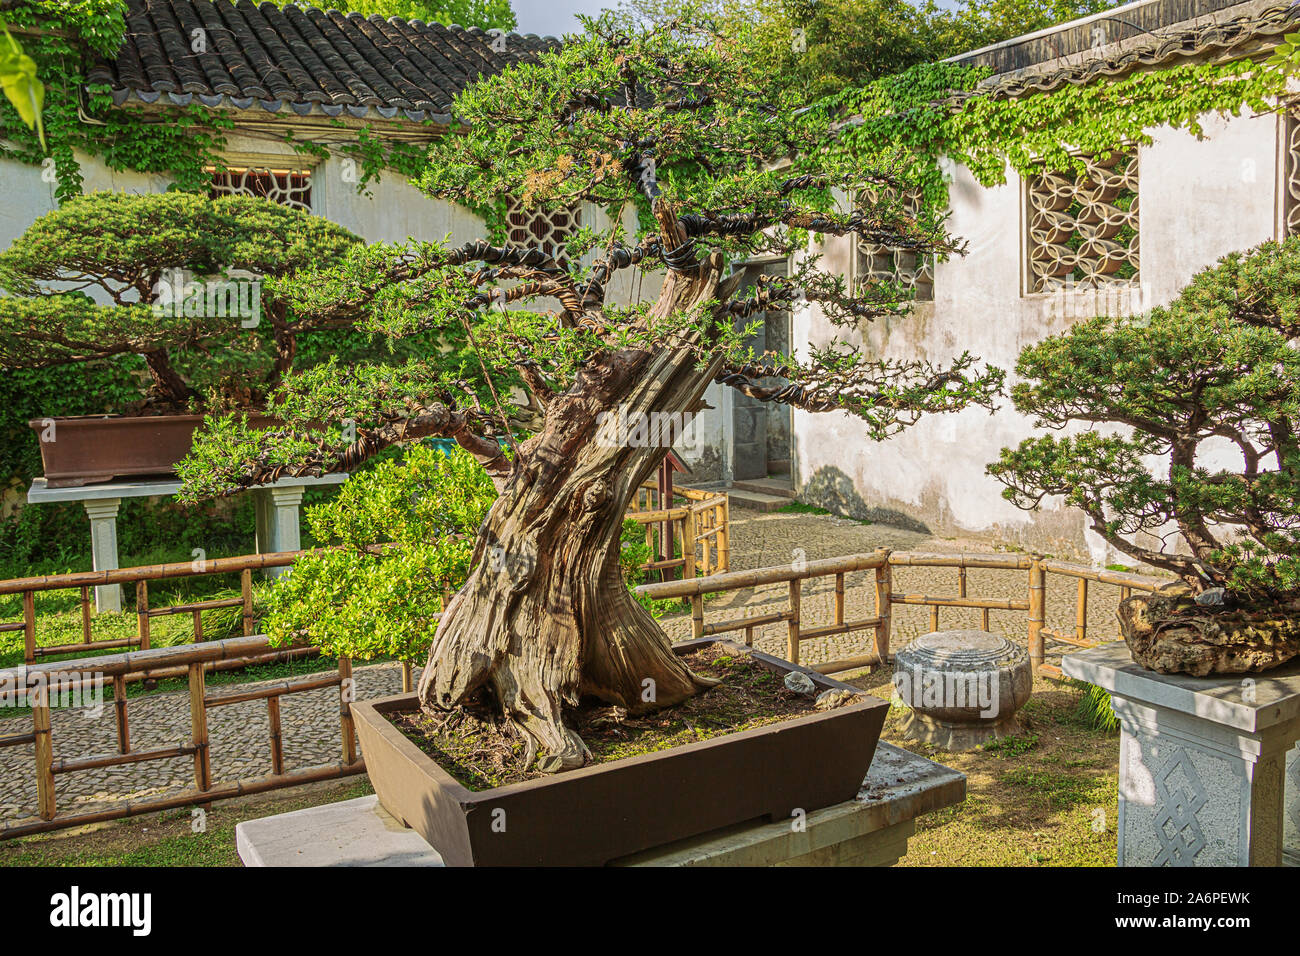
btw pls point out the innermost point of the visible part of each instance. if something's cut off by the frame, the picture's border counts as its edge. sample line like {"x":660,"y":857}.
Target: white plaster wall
{"x":1198,"y":200}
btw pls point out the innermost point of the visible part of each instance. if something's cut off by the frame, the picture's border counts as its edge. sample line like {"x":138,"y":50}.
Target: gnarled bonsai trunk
{"x":544,"y":616}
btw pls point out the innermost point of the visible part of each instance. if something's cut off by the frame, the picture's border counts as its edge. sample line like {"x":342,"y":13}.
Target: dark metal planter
{"x":89,"y":449}
{"x":605,"y":811}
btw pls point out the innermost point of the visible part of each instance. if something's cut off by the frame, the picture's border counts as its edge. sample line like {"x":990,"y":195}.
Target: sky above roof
{"x":557,"y":17}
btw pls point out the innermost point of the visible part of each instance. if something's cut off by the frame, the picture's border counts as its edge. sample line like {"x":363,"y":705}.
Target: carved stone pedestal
{"x":1208,"y":770}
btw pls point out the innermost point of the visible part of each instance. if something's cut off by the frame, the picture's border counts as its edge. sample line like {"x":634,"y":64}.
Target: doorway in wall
{"x":759,"y":433}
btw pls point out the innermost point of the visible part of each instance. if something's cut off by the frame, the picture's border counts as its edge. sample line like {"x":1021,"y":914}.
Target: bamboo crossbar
{"x":110,"y":665}
{"x":961,"y":559}
{"x":69,"y":764}
{"x":929,"y":600}
{"x":830,"y":630}
{"x":741,"y":623}
{"x":224,"y":791}
{"x":1127,"y":579}
{"x":736,"y":580}
{"x":180,"y":569}
{"x":195,"y":606}
{"x":278,"y":689}
{"x":848,"y":664}
{"x":80,"y":646}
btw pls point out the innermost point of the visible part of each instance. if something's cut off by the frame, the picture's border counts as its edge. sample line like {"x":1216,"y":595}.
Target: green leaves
{"x":404,"y":531}
{"x":21,"y":86}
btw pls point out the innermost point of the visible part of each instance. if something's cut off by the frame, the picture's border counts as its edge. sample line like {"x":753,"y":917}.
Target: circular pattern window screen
{"x":1083,"y":227}
{"x":873,"y":262}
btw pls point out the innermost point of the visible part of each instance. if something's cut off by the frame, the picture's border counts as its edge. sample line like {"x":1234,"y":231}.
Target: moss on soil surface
{"x":481,"y":756}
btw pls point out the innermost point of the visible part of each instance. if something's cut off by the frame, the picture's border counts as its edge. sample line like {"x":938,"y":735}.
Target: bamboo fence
{"x":35,"y":680}
{"x":1036,"y":568}
{"x":42,"y":684}
{"x":703,"y":518}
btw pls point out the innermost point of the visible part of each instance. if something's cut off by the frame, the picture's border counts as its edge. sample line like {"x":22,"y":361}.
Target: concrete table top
{"x":1270,"y":698}
{"x":39,"y":493}
{"x":899,"y":787}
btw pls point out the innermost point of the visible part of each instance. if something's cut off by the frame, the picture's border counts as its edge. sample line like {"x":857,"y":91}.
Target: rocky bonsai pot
{"x":1170,"y":632}
{"x":610,"y":809}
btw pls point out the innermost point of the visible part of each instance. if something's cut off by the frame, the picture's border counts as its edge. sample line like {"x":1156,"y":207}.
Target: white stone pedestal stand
{"x":1208,"y":770}
{"x":277,"y":507}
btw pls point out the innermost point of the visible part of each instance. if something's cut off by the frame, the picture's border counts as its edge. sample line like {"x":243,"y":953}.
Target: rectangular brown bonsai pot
{"x":601,"y":812}
{"x":92,"y":448}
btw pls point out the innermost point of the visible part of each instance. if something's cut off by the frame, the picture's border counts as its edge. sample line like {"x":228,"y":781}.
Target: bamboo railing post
{"x":85,"y":615}
{"x":934,"y":617}
{"x":408,"y":681}
{"x":839,"y":598}
{"x":199,"y":728}
{"x":246,"y":592}
{"x":792,"y":632}
{"x":198,"y":626}
{"x":277,"y":748}
{"x":1037,"y":612}
{"x":142,"y":613}
{"x":44,"y":747}
{"x":1081,"y":612}
{"x":697,"y":615}
{"x":688,"y":545}
{"x":347,"y":694}
{"x":119,"y":707}
{"x":884,"y":587}
{"x":29,"y":626}
{"x":724,"y":536}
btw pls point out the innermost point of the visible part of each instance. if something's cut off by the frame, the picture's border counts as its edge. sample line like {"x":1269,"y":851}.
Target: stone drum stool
{"x":963,"y":687}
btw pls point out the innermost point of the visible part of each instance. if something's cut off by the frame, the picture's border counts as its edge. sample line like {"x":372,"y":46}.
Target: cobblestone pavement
{"x":239,"y":733}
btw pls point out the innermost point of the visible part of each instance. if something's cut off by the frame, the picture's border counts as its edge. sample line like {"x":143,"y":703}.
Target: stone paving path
{"x":239,"y":733}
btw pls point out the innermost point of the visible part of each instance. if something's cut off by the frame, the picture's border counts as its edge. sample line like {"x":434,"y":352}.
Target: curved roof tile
{"x":305,"y":58}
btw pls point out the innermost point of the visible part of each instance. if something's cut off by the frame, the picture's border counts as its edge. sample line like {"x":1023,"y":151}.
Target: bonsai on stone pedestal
{"x":1209,"y":388}
{"x":544,"y":638}
{"x":180,"y":281}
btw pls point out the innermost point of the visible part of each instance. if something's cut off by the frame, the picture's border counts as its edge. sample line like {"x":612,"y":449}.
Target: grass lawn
{"x":1048,"y":797}
{"x":1044,"y":798}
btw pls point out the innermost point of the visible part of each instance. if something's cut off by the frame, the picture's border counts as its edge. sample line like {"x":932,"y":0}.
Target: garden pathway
{"x":310,"y":728}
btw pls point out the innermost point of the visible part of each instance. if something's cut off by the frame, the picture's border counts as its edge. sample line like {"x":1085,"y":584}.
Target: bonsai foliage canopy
{"x":686,"y":127}
{"x":1204,"y":395}
{"x":142,"y":253}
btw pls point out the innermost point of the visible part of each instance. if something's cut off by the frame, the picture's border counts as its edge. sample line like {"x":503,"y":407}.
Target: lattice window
{"x":1291,"y":177}
{"x":873,"y":261}
{"x":288,"y":187}
{"x":1083,"y":227}
{"x":544,"y":228}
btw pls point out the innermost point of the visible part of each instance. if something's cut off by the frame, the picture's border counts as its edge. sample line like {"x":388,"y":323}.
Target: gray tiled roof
{"x":262,"y":56}
{"x":1209,"y":29}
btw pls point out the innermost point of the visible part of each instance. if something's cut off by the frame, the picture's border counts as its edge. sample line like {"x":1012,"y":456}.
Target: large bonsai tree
{"x":680,"y":123}
{"x":147,"y":256}
{"x":1200,"y":473}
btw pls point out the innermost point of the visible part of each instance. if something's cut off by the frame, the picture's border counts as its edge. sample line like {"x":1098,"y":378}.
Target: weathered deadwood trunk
{"x":544,"y":617}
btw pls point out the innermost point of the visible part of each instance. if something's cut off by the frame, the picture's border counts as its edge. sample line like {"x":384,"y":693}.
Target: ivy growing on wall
{"x":932,"y":117}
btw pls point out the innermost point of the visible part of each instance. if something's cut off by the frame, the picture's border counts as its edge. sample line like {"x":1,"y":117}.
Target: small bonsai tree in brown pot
{"x":1198,"y":473}
{"x":175,"y":279}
